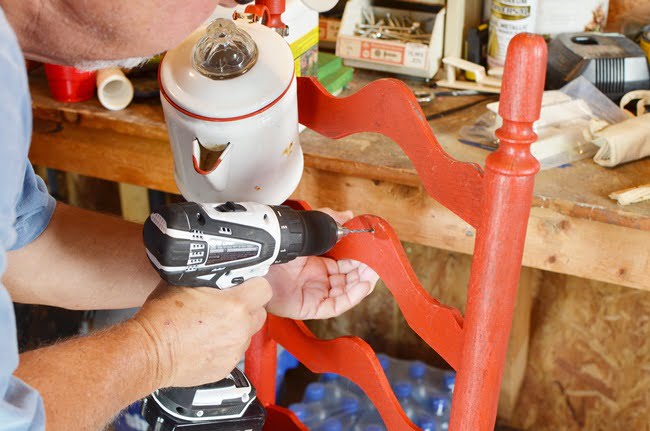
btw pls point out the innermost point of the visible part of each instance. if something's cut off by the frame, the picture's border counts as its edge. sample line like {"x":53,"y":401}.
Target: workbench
{"x":574,"y":227}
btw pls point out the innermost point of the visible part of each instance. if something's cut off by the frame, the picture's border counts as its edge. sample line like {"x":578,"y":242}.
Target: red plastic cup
{"x":68,"y":84}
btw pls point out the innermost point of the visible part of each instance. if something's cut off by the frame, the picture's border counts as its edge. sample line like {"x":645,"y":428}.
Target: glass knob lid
{"x":225,"y":51}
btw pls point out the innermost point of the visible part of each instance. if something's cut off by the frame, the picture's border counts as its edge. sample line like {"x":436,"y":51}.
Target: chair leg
{"x":490,"y":305}
{"x":498,"y":252}
{"x":261,"y":364}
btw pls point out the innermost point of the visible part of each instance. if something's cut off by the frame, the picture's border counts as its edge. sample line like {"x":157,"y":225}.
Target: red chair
{"x":496,"y":201}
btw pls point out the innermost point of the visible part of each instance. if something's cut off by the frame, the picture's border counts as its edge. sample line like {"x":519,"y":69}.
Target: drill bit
{"x":343,"y":231}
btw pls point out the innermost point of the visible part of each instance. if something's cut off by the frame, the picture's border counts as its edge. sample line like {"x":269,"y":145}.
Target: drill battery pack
{"x":227,"y":405}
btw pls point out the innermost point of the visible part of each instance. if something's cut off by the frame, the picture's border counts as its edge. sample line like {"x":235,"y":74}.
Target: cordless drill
{"x":221,"y":246}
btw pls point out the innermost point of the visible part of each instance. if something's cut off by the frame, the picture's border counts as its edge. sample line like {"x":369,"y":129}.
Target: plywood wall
{"x":589,"y":360}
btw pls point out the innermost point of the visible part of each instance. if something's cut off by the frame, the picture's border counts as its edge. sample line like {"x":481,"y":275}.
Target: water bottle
{"x":349,"y":404}
{"x":404,"y":393}
{"x":440,"y":407}
{"x":370,"y":421}
{"x":349,"y":411}
{"x":385,"y":361}
{"x":427,"y":422}
{"x":315,"y":393}
{"x":329,"y":377}
{"x":309,"y":414}
{"x":286,"y":362}
{"x":331,"y":424}
{"x":334,"y":390}
{"x":338,"y":387}
{"x":417,"y":375}
{"x":449,"y":380}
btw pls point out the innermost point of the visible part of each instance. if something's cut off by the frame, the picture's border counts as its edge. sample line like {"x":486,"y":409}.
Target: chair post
{"x":261,"y":363}
{"x":498,"y":252}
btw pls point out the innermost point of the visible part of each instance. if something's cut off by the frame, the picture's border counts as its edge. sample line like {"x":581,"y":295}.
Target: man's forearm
{"x":83,"y":260}
{"x":103,"y":372}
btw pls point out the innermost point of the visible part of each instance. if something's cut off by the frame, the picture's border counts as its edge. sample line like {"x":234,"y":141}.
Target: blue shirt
{"x":25,"y":210}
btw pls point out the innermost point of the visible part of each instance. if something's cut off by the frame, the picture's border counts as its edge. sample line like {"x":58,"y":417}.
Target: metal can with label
{"x":507,"y":19}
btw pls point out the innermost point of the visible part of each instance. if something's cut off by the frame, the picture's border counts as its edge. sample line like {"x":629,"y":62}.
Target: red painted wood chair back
{"x":496,"y":201}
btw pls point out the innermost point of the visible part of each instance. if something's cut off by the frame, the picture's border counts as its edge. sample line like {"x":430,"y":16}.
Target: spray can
{"x":507,"y":19}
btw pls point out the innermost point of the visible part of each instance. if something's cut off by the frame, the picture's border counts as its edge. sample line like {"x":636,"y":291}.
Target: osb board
{"x":589,"y":359}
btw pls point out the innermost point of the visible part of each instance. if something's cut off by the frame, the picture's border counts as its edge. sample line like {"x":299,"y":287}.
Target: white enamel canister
{"x":229,"y":97}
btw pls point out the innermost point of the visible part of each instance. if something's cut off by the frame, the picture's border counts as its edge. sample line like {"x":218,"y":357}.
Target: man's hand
{"x":318,"y":287}
{"x":200,"y":334}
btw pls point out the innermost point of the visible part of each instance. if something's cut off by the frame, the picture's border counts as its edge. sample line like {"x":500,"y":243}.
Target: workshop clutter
{"x":68,"y":84}
{"x":114,"y":90}
{"x":334,"y":403}
{"x":391,"y":40}
{"x":569,"y":119}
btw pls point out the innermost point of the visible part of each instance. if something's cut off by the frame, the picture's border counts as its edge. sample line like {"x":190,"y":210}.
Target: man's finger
{"x":347,"y":265}
{"x":366,"y":273}
{"x":255,"y":293}
{"x":352,"y":277}
{"x":337,"y":280}
{"x":258,"y":317}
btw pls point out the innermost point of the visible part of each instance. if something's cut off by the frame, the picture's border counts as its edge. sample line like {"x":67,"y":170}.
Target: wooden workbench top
{"x":574,"y":227}
{"x":580,"y":190}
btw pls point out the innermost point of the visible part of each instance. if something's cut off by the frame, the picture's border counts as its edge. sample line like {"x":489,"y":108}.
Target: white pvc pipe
{"x":114,"y":90}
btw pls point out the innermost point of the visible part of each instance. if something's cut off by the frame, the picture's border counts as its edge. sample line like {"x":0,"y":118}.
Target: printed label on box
{"x":372,"y":51}
{"x":416,"y":55}
{"x":329,"y":29}
{"x":348,"y":48}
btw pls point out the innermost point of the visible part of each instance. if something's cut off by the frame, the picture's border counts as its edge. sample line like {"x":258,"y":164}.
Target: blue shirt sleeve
{"x":25,"y":209}
{"x":33,"y":210}
{"x":21,"y":407}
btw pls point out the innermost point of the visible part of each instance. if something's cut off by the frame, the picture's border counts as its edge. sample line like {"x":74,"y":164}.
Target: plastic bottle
{"x":331,"y":424}
{"x":349,"y":404}
{"x":314,"y":393}
{"x":448,"y":381}
{"x":384,"y":361}
{"x":286,"y":362}
{"x":370,"y":421}
{"x":440,"y":407}
{"x":421,"y":388}
{"x":334,"y":390}
{"x":329,"y":377}
{"x":300,"y":410}
{"x":427,"y":422}
{"x":350,"y":409}
{"x":309,"y":414}
{"x":404,"y":393}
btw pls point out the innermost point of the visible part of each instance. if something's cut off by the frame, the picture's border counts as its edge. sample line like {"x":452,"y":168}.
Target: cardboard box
{"x":415,"y":59}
